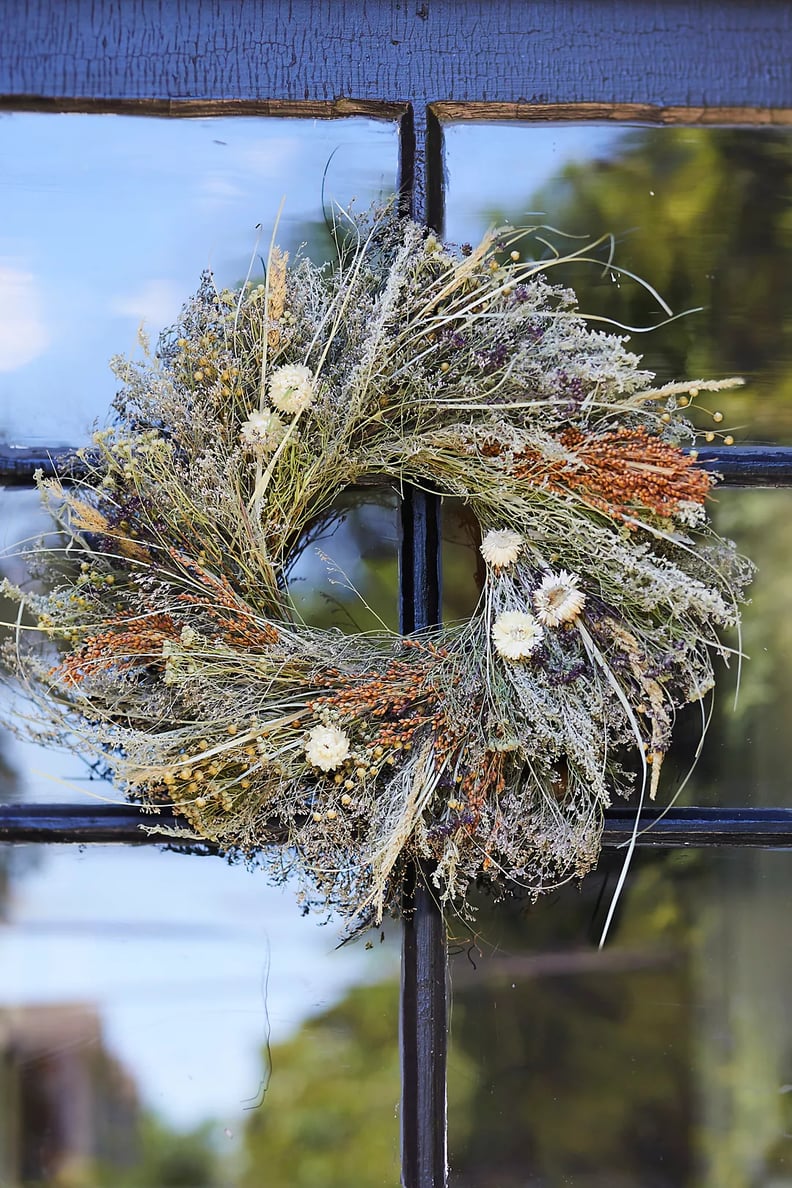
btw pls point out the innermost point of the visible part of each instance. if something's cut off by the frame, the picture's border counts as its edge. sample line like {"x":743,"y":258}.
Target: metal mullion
{"x":767,"y":828}
{"x":738,"y":466}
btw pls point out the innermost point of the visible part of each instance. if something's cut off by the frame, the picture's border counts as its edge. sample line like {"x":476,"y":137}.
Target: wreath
{"x":487,"y":748}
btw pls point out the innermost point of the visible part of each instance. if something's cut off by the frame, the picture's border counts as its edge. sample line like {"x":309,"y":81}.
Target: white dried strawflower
{"x":291,"y":388}
{"x":501,"y":547}
{"x":558,"y":599}
{"x":326,"y":747}
{"x":262,"y":431}
{"x":516,"y":634}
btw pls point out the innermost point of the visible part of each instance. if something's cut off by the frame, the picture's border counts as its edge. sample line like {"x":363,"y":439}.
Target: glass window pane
{"x":107,"y":222}
{"x":463,"y":565}
{"x":662,"y":1061}
{"x":702,"y":214}
{"x":346,"y":572}
{"x":164,"y":1020}
{"x":748,"y":756}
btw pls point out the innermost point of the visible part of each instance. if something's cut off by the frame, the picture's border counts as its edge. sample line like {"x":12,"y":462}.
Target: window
{"x":428,"y":67}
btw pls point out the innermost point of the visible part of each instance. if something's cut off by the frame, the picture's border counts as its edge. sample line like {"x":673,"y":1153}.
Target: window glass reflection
{"x":702,"y":214}
{"x":345,"y":573}
{"x":463,"y":565}
{"x":108,"y":221}
{"x":170,"y":1019}
{"x":662,"y":1061}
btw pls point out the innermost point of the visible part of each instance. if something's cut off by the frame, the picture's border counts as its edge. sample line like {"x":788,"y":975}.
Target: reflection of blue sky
{"x":109,"y":220}
{"x":189,"y":961}
{"x":497,"y":168}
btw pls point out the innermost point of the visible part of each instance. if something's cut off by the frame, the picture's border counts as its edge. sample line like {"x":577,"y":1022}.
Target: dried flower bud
{"x":558,"y":599}
{"x":516,"y":634}
{"x":327,"y":747}
{"x":292,"y":388}
{"x":501,"y":548}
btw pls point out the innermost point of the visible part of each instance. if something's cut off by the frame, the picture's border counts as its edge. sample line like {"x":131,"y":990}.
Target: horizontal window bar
{"x":765,"y":827}
{"x":770,"y":828}
{"x":740,"y":466}
{"x":18,"y":464}
{"x":750,"y":466}
{"x":103,"y":823}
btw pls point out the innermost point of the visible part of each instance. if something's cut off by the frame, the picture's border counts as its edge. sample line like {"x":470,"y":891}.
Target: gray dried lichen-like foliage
{"x":489,"y":748}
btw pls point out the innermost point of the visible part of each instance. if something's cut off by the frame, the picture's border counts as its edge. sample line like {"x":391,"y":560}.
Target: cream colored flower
{"x":326,"y":747}
{"x":501,"y":548}
{"x":516,"y":634}
{"x":291,"y":388}
{"x":558,"y":599}
{"x":263,"y":432}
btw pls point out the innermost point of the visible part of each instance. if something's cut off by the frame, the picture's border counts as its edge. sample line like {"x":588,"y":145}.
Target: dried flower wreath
{"x":489,"y":748}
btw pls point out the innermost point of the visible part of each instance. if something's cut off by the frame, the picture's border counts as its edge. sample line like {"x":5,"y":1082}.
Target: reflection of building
{"x":66,"y":1104}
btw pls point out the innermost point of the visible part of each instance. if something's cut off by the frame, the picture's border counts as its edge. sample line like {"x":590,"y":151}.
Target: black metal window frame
{"x":422,"y":64}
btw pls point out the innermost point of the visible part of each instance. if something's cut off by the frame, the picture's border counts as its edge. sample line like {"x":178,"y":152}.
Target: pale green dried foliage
{"x":182,"y":661}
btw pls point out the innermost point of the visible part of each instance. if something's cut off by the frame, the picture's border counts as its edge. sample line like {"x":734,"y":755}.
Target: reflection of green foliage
{"x":358,"y":534}
{"x":669,"y":1075}
{"x":583,"y":1059}
{"x":463,"y":565}
{"x":705,"y":216}
{"x":656,"y":1062}
{"x":754,"y":739}
{"x":170,"y":1159}
{"x":330,"y":1115}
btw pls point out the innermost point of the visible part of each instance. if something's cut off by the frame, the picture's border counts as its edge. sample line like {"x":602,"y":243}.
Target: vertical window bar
{"x":423,"y":1012}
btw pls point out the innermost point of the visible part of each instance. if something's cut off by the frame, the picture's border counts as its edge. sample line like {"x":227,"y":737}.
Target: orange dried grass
{"x":619,"y":472}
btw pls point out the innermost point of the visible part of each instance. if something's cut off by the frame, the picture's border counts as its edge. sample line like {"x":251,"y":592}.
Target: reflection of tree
{"x":704,"y":215}
{"x":170,"y":1158}
{"x":359,"y":534}
{"x":656,"y":1062}
{"x":747,"y":758}
{"x":463,"y":565}
{"x":329,"y":1116}
{"x":582,"y":1057}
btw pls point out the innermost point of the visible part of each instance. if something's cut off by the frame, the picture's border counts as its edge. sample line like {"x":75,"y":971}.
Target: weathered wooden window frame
{"x":422,"y":64}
